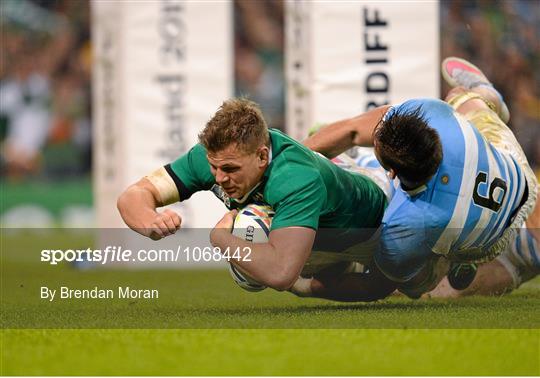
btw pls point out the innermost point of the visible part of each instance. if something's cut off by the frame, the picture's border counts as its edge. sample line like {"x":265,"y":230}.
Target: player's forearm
{"x":262,"y":261}
{"x":137,"y":206}
{"x":338,"y":137}
{"x":332,"y":139}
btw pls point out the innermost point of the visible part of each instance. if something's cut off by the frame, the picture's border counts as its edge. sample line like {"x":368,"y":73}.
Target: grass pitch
{"x":270,"y":352}
{"x":203,"y":324}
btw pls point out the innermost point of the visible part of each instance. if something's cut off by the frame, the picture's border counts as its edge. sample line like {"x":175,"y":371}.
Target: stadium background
{"x":46,"y":54}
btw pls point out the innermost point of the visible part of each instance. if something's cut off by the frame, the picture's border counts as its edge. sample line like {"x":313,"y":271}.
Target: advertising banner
{"x":344,"y":58}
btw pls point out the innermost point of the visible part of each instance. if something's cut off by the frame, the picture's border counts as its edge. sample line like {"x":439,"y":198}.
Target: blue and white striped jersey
{"x":466,"y":205}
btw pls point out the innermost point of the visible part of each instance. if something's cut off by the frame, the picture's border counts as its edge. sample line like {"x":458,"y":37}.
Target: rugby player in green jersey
{"x":242,"y":161}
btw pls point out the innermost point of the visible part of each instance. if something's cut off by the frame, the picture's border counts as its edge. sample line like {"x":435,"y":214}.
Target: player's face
{"x":236,"y":171}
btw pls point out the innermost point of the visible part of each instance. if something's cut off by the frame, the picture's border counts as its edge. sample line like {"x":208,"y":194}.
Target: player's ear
{"x":263,"y":153}
{"x":392,"y":174}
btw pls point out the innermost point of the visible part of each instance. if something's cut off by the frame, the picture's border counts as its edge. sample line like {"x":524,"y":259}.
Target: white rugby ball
{"x":251,"y":224}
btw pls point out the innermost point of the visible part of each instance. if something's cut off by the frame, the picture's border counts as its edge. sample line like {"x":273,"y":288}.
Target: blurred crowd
{"x":45,"y":72}
{"x":503,"y":38}
{"x":259,"y":45}
{"x":45,"y":76}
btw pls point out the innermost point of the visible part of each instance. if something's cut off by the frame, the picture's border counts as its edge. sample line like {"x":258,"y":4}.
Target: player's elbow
{"x":122,"y":201}
{"x":125,"y":203}
{"x":125,"y":199}
{"x":282,"y":280}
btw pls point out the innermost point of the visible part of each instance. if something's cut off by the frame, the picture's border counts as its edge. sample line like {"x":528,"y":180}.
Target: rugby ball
{"x":252,"y":223}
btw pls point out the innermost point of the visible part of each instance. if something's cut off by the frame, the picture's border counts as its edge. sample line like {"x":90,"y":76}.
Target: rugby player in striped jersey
{"x":465,"y":187}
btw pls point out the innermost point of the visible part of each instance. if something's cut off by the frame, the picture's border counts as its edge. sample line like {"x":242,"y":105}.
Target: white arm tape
{"x":165,"y":186}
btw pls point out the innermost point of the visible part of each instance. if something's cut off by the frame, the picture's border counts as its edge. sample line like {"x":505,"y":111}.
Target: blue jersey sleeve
{"x":404,"y":248}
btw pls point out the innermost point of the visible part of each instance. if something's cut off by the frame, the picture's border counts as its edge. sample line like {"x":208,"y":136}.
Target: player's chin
{"x":230,"y":192}
{"x":235,"y":194}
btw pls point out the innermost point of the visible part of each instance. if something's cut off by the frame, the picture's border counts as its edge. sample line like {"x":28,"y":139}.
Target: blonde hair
{"x":237,"y":121}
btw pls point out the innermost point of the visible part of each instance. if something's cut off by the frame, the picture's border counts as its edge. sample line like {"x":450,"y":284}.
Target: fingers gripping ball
{"x":251,"y":224}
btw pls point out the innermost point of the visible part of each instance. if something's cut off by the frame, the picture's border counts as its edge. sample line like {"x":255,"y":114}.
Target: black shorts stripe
{"x":184,"y":192}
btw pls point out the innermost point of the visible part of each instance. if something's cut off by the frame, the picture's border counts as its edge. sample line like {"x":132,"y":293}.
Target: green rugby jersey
{"x":304,"y":188}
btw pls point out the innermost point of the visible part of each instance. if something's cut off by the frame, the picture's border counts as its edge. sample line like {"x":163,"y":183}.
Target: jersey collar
{"x":421,"y":188}
{"x":416,"y":191}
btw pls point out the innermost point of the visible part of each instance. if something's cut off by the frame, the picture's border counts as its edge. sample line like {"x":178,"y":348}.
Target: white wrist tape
{"x":302,"y":287}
